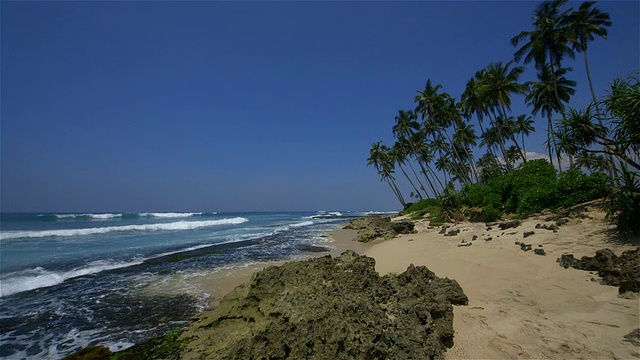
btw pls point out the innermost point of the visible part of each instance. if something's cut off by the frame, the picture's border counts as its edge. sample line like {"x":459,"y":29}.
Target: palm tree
{"x":378,"y":157}
{"x":438,"y":112}
{"x":405,"y":130}
{"x":501,"y":83}
{"x":548,"y":43}
{"x":466,"y":137}
{"x":524,"y":127}
{"x":584,"y":24}
{"x":398,"y":155}
{"x":544,"y":97}
{"x":474,"y":101}
{"x":488,"y":104}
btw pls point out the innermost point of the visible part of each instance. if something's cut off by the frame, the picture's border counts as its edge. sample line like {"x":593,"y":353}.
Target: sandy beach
{"x":523,"y":305}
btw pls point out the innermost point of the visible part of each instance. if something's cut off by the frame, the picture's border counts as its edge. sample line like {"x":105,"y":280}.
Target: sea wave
{"x":86,"y":216}
{"x":39,"y":277}
{"x":173,"y":226}
{"x":165,"y":215}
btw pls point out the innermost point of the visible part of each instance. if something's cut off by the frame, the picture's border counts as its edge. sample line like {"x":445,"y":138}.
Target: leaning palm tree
{"x":405,"y":130}
{"x":398,"y":155}
{"x":378,"y":157}
{"x":544,"y":97}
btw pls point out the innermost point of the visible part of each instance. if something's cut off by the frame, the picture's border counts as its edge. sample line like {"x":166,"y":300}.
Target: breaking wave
{"x":173,"y":226}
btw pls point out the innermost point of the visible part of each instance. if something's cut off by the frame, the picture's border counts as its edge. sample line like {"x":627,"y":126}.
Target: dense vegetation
{"x":435,"y":141}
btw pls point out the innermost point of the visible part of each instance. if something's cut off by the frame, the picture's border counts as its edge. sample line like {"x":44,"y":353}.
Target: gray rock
{"x":374,"y":226}
{"x":525,"y":247}
{"x":539,"y":251}
{"x":509,"y":224}
{"x":622,"y":271}
{"x":526,"y":234}
{"x":453,"y":232}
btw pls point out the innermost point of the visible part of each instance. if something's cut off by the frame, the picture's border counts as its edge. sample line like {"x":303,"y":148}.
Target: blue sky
{"x":241,"y":106}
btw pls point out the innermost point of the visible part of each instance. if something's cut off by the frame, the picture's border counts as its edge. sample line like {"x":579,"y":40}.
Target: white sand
{"x":523,"y":305}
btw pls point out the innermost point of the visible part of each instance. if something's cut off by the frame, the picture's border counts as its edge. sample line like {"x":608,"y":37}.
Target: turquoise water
{"x":70,"y":280}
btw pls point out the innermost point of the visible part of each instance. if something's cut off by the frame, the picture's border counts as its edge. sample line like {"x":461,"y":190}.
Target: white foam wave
{"x":87,"y":215}
{"x":39,"y":277}
{"x":168,"y":215}
{"x":173,"y":226}
{"x":301,"y":224}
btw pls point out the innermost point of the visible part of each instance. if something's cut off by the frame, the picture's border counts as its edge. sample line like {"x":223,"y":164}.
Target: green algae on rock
{"x":330,"y":308}
{"x":375,"y":226}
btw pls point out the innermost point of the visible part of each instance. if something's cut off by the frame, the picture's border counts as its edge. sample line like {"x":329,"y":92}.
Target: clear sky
{"x":233,"y":106}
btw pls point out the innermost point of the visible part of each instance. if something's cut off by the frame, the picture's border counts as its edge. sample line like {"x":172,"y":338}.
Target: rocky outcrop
{"x":622,"y":271}
{"x":374,"y":226}
{"x":331,"y":308}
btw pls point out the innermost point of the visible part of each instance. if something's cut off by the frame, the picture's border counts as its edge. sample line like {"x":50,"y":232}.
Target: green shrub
{"x":489,"y":213}
{"x":420,"y":205}
{"x":575,"y":187}
{"x":625,"y":203}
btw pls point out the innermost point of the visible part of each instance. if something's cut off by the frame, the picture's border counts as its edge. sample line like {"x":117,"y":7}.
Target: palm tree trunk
{"x":460,"y":162}
{"x":417,"y":179}
{"x":610,"y":167}
{"x":504,"y":112}
{"x":411,"y":182}
{"x":500,"y":142}
{"x":564,"y":116}
{"x":395,"y":190}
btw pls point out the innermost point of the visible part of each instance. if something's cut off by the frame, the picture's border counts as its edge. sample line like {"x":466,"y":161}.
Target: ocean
{"x":70,"y":280}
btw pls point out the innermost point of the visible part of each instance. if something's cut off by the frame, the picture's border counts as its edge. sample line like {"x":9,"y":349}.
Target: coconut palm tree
{"x":466,"y":137}
{"x":548,"y":42}
{"x":378,"y":157}
{"x":398,"y":155}
{"x":405,"y":130}
{"x":473,"y":101}
{"x":438,"y":112}
{"x":524,"y":127}
{"x":584,"y":24}
{"x":502,"y":83}
{"x":544,"y":96}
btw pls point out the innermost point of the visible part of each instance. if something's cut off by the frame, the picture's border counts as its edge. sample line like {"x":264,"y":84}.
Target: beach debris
{"x":622,"y":271}
{"x":375,"y":226}
{"x":526,"y":234}
{"x":539,"y":251}
{"x":464,"y":243}
{"x":326,"y":308}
